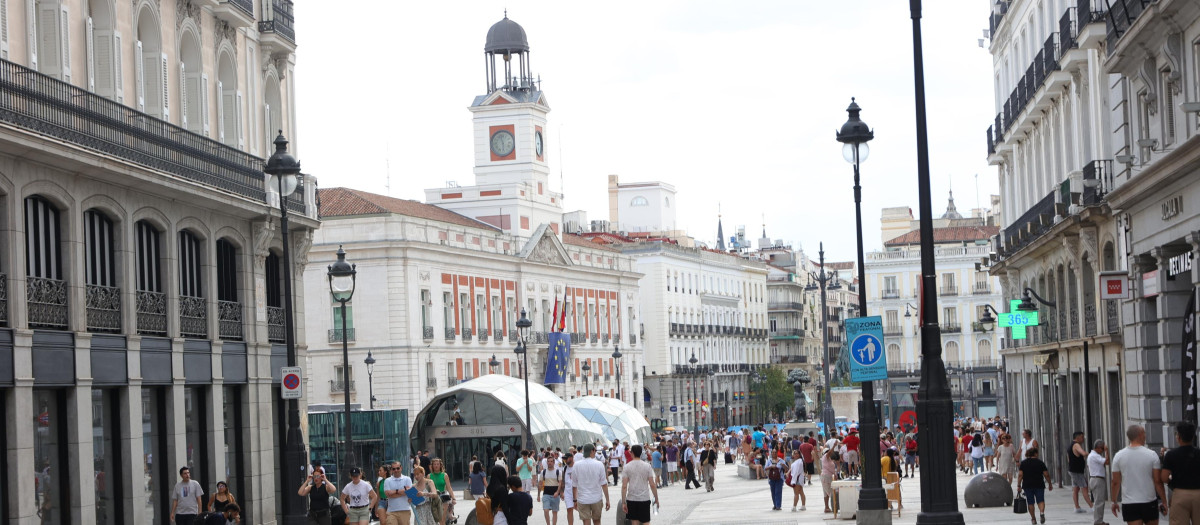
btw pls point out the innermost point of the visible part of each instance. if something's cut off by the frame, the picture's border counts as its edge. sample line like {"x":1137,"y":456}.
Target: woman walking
{"x":989,"y":452}
{"x":446,"y":492}
{"x":776,"y":469}
{"x":221,"y":498}
{"x":497,"y":493}
{"x":423,"y":512}
{"x":976,"y":454}
{"x":478,"y":480}
{"x":1006,"y":463}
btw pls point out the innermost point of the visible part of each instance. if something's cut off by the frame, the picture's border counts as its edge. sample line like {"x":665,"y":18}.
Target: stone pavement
{"x":739,"y":501}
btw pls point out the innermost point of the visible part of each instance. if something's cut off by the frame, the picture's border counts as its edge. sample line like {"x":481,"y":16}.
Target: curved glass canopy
{"x":616,"y":418}
{"x":498,"y":399}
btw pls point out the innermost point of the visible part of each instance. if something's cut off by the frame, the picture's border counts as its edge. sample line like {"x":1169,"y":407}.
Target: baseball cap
{"x":355,"y":472}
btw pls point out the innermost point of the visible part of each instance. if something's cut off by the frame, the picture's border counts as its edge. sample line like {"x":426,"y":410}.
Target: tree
{"x":774,"y":393}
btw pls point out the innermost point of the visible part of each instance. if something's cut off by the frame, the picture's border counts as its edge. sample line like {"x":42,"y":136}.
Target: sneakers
{"x":793,"y":509}
{"x":803,"y":508}
{"x":1080,"y":511}
{"x":1043,"y":517}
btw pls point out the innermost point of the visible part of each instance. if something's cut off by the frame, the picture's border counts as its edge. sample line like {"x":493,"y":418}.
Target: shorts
{"x":359,"y":514}
{"x":527,"y":484}
{"x":988,"y":452}
{"x":1079,"y":479}
{"x":911,"y":459}
{"x":827,"y":483}
{"x":852,"y":457}
{"x":672,"y":467}
{"x":550,"y":502}
{"x":398,"y":517}
{"x":1139,"y":511}
{"x":590,"y":511}
{"x":638,"y":511}
{"x":1035,"y":496}
{"x":810,"y":469}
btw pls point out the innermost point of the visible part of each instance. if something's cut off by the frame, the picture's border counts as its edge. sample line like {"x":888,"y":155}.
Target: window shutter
{"x":48,"y":42}
{"x":241,"y":138}
{"x":117,"y":65}
{"x":102,"y":57}
{"x":90,"y":45}
{"x":64,"y":42}
{"x":139,"y":77}
{"x":220,"y":112}
{"x":164,"y":86}
{"x":183,"y":95}
{"x":4,"y":29}
{"x":251,"y":122}
{"x":229,"y":117}
{"x":204,"y":102}
{"x":193,"y":106}
{"x":31,"y":41}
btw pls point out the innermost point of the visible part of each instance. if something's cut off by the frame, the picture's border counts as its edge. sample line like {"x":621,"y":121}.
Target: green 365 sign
{"x":1017,"y":320}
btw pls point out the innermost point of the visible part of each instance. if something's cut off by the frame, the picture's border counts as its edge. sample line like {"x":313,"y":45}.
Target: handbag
{"x":1019,"y":505}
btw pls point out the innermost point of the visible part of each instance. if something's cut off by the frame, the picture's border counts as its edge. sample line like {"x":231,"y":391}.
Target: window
{"x":952,"y":355}
{"x":53,"y":53}
{"x":546,"y":311}
{"x":448,"y":312}
{"x":1143,"y":117}
{"x":512,"y":308}
{"x":451,"y":376}
{"x":150,"y":66}
{"x":337,"y":317}
{"x":464,"y":312}
{"x":950,"y":315}
{"x":497,"y":314}
{"x":889,"y":287}
{"x":893,"y":354}
{"x":426,"y":305}
{"x":480,"y":314}
{"x":948,"y":281}
{"x":893,"y":319}
{"x":338,"y":383}
{"x":1168,"y":120}
{"x":639,"y":201}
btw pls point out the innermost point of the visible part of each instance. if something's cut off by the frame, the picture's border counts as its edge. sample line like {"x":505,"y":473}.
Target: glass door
{"x":456,"y":453}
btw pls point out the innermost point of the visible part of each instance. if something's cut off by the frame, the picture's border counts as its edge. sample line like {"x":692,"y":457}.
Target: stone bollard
{"x":988,"y":489}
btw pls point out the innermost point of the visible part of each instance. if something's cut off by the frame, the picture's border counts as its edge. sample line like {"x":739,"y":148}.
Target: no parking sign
{"x":291,"y":381}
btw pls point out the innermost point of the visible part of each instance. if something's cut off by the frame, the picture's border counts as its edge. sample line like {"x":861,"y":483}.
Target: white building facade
{"x":143,"y":325}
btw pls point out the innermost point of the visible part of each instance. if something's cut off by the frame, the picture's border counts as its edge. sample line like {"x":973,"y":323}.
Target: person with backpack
{"x":775,"y":469}
{"x":551,"y":489}
{"x":488,"y":509}
{"x":708,"y":465}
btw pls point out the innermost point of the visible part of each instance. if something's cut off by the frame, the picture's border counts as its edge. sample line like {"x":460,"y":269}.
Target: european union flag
{"x":558,"y":358}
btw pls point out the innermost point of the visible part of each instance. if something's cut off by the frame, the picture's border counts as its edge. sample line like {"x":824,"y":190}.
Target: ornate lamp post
{"x":523,"y":325}
{"x":827,"y":414}
{"x":284,"y":172}
{"x":342,"y":277}
{"x":694,"y":403}
{"x":370,"y":362}
{"x":939,"y":497}
{"x":872,"y":501}
{"x":616,"y":355}
{"x":587,"y":371}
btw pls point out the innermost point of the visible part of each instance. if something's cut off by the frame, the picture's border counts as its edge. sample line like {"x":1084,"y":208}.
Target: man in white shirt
{"x":637,"y":488}
{"x":568,"y":489}
{"x":615,"y":459}
{"x":399,"y":510}
{"x":186,"y":500}
{"x":1097,"y":459}
{"x":591,"y":487}
{"x":1135,"y":481}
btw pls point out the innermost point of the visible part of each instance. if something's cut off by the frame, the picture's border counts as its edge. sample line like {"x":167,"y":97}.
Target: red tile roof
{"x":954,"y":234}
{"x":346,"y":202}
{"x":587,"y":242}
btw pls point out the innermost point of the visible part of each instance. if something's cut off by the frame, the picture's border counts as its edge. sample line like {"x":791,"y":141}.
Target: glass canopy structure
{"x":616,"y":418}
{"x":486,"y":415}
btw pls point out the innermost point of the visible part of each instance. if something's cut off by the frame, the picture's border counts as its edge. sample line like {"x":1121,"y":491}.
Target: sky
{"x":735,"y":103}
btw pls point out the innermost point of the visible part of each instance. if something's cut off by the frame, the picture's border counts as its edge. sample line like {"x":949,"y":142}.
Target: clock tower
{"x":511,"y":189}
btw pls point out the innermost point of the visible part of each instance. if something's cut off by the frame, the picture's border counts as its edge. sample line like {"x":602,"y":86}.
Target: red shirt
{"x":911,"y":445}
{"x":966,"y":442}
{"x":851,"y":442}
{"x":806,"y":450}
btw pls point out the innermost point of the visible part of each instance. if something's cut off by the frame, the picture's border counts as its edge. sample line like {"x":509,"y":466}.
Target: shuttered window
{"x":99,"y":249}
{"x":43,"y":256}
{"x":189,"y":265}
{"x":227,"y":273}
{"x":149,"y":257}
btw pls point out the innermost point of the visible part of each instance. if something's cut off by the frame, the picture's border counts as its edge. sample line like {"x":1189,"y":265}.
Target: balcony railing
{"x":1123,"y":14}
{"x":949,"y":290}
{"x":1097,"y":181}
{"x":46,"y":300}
{"x":193,"y":317}
{"x":450,"y":335}
{"x":244,"y":5}
{"x":276,"y":324}
{"x":103,"y":309}
{"x":632,"y":339}
{"x":1074,"y":321}
{"x":335,"y":335}
{"x":951,"y":328}
{"x":468,"y":334}
{"x":452,"y":381}
{"x":497,"y":335}
{"x":512,"y":336}
{"x":338,"y":386}
{"x":281,"y":22}
{"x":981,"y":288}
{"x":595,"y":339}
{"x":431,"y":382}
{"x":788,"y":305}
{"x":427,"y":333}
{"x":893,"y":330}
{"x":891,"y":294}
{"x":999,"y":9}
{"x":1111,"y":319}
{"x":48,"y":106}
{"x":483,"y":335}
{"x":1032,"y":224}
{"x":151,"y":313}
{"x":229,"y":321}
{"x":784,"y":333}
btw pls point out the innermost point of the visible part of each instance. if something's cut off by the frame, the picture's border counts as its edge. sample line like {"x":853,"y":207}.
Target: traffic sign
{"x":867,"y":359}
{"x":674,"y":408}
{"x":292,"y":381}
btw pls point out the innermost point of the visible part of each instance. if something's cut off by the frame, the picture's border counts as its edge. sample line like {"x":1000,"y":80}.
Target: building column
{"x":82,"y":474}
{"x":19,"y":407}
{"x":132,"y":428}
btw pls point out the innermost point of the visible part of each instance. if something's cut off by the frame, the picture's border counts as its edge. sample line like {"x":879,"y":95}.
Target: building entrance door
{"x":456,"y":453}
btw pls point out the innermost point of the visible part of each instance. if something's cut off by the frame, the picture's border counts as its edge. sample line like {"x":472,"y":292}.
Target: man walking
{"x":526,"y":466}
{"x":399,"y":510}
{"x":186,"y":499}
{"x":1077,"y":467}
{"x":637,"y":488}
{"x":1098,"y":480}
{"x":806,"y":452}
{"x":852,"y":441}
{"x":1181,"y":472}
{"x":672,"y":463}
{"x":568,"y":486}
{"x":1135,"y":481}
{"x":591,"y":487}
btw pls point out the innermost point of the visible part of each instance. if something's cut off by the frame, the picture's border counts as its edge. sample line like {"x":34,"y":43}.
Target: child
{"x":520,"y":504}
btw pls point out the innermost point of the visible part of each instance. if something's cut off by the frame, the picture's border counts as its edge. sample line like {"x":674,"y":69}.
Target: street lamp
{"x":939,"y":497}
{"x":523,"y":325}
{"x":872,"y":502}
{"x":492,"y":364}
{"x":341,"y":286}
{"x":1027,"y":304}
{"x":827,"y":414}
{"x":284,"y":172}
{"x":370,"y":362}
{"x":587,"y":371}
{"x":692,"y":369}
{"x":616,"y":355}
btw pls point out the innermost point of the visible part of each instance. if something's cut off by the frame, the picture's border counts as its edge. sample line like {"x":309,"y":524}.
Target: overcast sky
{"x":732,"y":102}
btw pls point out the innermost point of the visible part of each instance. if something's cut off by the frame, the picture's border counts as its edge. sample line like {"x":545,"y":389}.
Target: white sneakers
{"x":801,"y":508}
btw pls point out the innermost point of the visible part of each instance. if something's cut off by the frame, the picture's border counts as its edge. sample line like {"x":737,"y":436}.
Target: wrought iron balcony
{"x":785,"y":305}
{"x":103,"y":309}
{"x":539,"y":338}
{"x":512,"y":336}
{"x":595,"y":339}
{"x":1089,"y":320}
{"x":1111,"y":319}
{"x":450,"y":335}
{"x":1032,"y":224}
{"x":452,"y":381}
{"x":338,"y":386}
{"x":431,"y":382}
{"x":46,"y":300}
{"x":605,"y":339}
{"x":951,"y":328}
{"x":151,"y":313}
{"x":949,"y":290}
{"x":981,"y":288}
{"x":282,"y":21}
{"x":1074,"y":321}
{"x":483,"y":335}
{"x":229,"y":321}
{"x":427,"y":333}
{"x":468,"y":334}
{"x":193,"y":317}
{"x":1124,"y":14}
{"x":891,"y":294}
{"x":787,"y":333}
{"x":276,"y":324}
{"x":893,"y":330}
{"x":497,"y":336}
{"x":335,"y":335}
{"x":991,"y":142}
{"x":3,"y":300}
{"x":632,"y":340}
{"x":48,"y":106}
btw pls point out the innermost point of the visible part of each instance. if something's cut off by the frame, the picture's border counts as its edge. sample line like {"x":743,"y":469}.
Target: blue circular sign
{"x":866,"y":350}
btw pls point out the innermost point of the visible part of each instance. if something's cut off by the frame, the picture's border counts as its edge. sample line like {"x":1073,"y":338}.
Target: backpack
{"x":773,"y":473}
{"x":483,"y":511}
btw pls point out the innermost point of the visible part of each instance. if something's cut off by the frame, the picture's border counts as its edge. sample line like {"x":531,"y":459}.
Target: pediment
{"x":545,"y":247}
{"x":498,"y":97}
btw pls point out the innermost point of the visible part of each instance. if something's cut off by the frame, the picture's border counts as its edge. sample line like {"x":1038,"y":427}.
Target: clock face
{"x":537,"y":143}
{"x":503,"y":143}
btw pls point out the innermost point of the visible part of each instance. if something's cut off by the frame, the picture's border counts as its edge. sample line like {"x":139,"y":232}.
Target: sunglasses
{"x":396,"y":468}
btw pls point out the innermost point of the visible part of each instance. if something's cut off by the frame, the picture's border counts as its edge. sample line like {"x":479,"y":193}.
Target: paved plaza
{"x":738,"y":500}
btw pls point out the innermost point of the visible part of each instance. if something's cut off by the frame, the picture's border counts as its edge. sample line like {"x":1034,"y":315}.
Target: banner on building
{"x":1189,"y":360}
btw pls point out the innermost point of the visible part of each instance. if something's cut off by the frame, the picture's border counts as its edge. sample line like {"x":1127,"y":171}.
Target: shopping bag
{"x":1019,"y":505}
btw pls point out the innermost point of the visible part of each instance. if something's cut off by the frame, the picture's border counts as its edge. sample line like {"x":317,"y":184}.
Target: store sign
{"x":1172,"y":207}
{"x":1114,"y":285}
{"x":1016,"y":320}
{"x":1150,"y":284}
{"x":1178,"y":264}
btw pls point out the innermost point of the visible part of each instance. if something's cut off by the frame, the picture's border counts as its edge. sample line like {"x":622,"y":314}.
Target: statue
{"x":799,"y":377}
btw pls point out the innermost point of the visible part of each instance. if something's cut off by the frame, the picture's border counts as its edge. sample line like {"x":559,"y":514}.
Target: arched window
{"x":893,"y":353}
{"x":194,"y":84}
{"x":229,"y":108}
{"x":985,"y":350}
{"x":193,"y":310}
{"x":103,"y":296}
{"x":151,"y":65}
{"x":103,"y":50}
{"x":151,"y":301}
{"x":639,"y":201}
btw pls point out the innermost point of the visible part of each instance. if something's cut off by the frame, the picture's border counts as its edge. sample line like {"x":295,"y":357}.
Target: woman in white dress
{"x":1006,"y":463}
